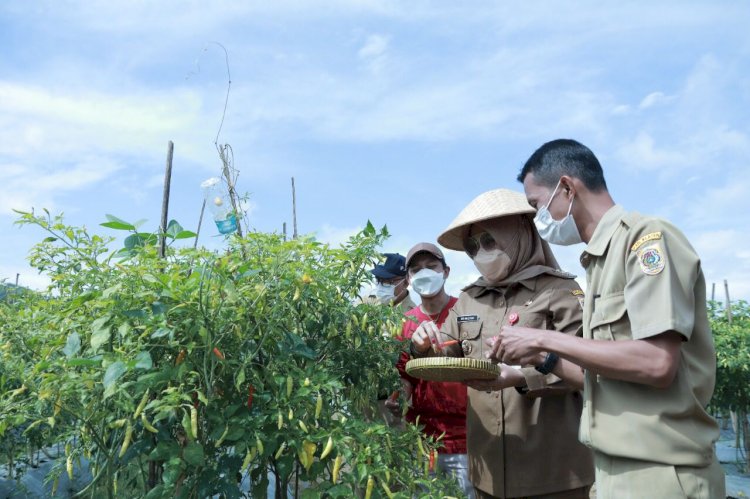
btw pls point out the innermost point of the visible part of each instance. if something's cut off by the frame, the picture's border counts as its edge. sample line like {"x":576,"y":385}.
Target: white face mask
{"x":563,"y":232}
{"x":494,"y":265}
{"x":385,"y":293}
{"x":427,"y":282}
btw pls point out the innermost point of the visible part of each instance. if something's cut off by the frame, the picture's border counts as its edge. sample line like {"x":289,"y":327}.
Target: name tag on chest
{"x":467,"y":318}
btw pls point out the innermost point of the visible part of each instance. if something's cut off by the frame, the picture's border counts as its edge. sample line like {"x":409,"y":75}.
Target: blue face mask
{"x":563,"y":232}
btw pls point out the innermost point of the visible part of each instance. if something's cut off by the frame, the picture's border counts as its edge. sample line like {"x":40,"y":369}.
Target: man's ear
{"x":447,"y":271}
{"x":568,"y":186}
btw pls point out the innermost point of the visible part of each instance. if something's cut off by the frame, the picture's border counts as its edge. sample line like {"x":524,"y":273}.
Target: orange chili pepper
{"x":180,"y":357}
{"x":432,"y":460}
{"x":250,"y":392}
{"x":218,"y":353}
{"x":448,"y":343}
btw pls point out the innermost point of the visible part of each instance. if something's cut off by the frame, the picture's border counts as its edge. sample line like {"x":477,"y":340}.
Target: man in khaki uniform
{"x":647,"y":349}
{"x":521,"y":428}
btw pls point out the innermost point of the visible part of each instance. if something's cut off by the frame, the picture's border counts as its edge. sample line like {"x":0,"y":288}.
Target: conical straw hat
{"x":491,"y":204}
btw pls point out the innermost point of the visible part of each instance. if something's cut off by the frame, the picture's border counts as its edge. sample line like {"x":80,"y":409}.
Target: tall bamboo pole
{"x":165,"y":202}
{"x":294,"y":211}
{"x":729,"y":304}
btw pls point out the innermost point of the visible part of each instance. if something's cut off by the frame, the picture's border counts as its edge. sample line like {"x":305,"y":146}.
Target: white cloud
{"x":654,"y":99}
{"x":375,"y":46}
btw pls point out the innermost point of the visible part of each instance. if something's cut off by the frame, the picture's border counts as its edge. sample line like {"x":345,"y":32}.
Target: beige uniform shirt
{"x":644,"y":279}
{"x":522,"y":445}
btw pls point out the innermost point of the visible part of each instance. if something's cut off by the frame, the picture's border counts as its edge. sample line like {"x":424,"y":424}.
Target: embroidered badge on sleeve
{"x":654,"y":236}
{"x":651,"y":259}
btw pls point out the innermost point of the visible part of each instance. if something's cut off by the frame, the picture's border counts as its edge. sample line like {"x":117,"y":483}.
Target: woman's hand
{"x":508,"y":377}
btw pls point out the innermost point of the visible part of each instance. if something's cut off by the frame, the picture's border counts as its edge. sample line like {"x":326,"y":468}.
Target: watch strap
{"x":550,"y":361}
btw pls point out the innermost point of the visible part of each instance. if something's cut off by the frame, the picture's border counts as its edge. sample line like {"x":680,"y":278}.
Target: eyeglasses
{"x":395,"y":281}
{"x":483,"y":240}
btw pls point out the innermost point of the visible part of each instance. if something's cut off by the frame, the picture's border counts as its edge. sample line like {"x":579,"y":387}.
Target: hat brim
{"x":493,"y":204}
{"x":382,"y":273}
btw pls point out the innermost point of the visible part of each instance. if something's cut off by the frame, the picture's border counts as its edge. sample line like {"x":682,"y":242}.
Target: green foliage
{"x":170,"y":374}
{"x":732,"y":341}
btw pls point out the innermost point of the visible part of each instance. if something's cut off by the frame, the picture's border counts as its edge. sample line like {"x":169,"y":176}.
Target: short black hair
{"x":564,"y":157}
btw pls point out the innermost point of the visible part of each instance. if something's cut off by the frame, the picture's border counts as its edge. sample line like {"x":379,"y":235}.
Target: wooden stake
{"x":165,"y":202}
{"x":200,"y":221}
{"x":713,"y":291}
{"x":17,"y":276}
{"x":294,"y":211}
{"x":283,"y":230}
{"x":729,"y":304}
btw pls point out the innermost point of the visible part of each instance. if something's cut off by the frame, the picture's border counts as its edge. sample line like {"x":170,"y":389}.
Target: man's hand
{"x":516,"y":345}
{"x":427,"y":335}
{"x":508,"y":377}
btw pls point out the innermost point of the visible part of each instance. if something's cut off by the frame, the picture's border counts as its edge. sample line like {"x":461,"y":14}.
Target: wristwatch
{"x":550,"y":361}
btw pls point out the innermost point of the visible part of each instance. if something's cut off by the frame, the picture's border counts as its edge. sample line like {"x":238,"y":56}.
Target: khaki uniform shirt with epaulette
{"x":645,"y":279}
{"x":522,"y":444}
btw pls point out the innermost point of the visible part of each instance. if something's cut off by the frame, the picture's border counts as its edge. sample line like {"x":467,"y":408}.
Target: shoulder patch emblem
{"x":651,"y":259}
{"x":654,"y":236}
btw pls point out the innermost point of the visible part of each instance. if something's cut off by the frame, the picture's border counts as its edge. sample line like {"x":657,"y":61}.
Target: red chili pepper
{"x":432,"y":460}
{"x":448,"y":343}
{"x":180,"y":357}
{"x":513,"y":318}
{"x":250,"y":392}
{"x":394,"y":396}
{"x":218,"y":353}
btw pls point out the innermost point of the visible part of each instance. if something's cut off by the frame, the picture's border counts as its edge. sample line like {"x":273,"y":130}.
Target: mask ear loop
{"x":570,"y":206}
{"x":549,"y":202}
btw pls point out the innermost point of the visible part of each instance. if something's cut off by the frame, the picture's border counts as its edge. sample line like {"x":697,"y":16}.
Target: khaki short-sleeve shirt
{"x":645,"y":279}
{"x":518,"y":444}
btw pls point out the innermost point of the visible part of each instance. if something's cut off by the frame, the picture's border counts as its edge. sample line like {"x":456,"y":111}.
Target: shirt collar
{"x":479,"y":290}
{"x":603,"y":233}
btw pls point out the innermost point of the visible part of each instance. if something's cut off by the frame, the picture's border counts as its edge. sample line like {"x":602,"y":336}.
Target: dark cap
{"x":393,"y":266}
{"x":425,"y":248}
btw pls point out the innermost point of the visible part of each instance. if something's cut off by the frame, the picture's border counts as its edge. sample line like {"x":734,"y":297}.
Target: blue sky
{"x":394,"y":112}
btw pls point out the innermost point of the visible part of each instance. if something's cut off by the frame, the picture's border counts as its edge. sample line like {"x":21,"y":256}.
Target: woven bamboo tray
{"x":451,"y":369}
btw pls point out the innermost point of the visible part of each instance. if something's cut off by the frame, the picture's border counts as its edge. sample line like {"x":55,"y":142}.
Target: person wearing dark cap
{"x":440,"y":406}
{"x":522,"y":425}
{"x":391,"y":282}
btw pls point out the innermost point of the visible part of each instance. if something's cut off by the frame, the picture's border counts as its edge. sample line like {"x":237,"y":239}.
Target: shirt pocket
{"x":469,"y":330}
{"x":608,"y":320}
{"x":526,"y":318}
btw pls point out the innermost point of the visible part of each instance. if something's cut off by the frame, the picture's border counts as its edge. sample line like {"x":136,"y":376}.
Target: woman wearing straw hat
{"x":522,"y":427}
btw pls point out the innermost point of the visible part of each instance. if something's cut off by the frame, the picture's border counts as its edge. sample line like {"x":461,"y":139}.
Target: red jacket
{"x":441,"y":406}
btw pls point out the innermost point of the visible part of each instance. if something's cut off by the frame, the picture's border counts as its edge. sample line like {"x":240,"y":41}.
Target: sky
{"x":397,"y":112}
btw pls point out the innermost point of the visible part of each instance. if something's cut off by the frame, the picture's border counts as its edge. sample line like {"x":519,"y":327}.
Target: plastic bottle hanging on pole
{"x":218,"y":204}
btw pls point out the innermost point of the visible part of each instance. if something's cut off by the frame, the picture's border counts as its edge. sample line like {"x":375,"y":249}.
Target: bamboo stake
{"x":165,"y":202}
{"x":200,"y":221}
{"x":283,"y":230}
{"x":729,"y":304}
{"x":713,"y":291}
{"x":294,"y":211}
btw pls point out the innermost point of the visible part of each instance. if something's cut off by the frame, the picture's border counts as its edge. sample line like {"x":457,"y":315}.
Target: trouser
{"x":579,"y":493}
{"x":621,"y":478}
{"x":458,"y":466}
